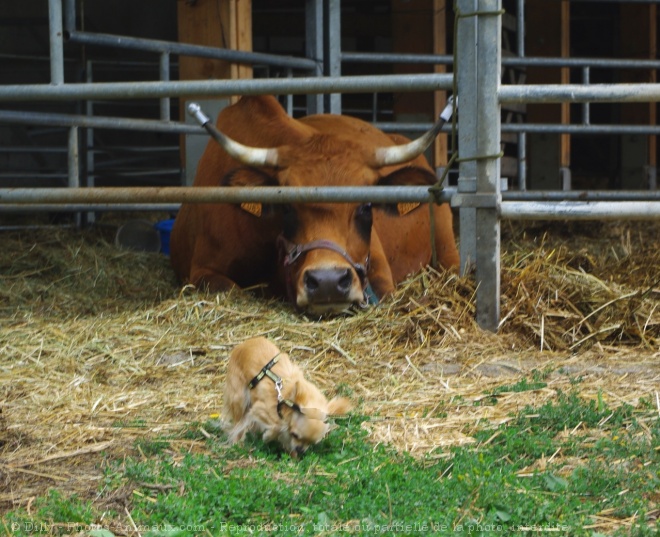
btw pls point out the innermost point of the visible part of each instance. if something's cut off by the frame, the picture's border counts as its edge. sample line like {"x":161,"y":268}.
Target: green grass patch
{"x":561,"y":468}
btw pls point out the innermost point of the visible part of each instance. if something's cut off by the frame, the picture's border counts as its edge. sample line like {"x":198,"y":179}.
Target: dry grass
{"x":99,"y":347}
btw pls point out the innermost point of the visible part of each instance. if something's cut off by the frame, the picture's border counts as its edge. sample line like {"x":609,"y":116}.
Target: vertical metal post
{"x":289,"y":97}
{"x":73,"y":163}
{"x":586,"y":115}
{"x":489,"y":62}
{"x":466,"y":73}
{"x":56,"y":42}
{"x":333,"y":56}
{"x":69,"y":15}
{"x":479,"y":63}
{"x":522,"y":137}
{"x":314,"y":31}
{"x":651,"y":173}
{"x":89,"y":141}
{"x":74,"y":175}
{"x":165,"y":77}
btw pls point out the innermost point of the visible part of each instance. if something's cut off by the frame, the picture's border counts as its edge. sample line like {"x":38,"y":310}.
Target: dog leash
{"x":266,"y":371}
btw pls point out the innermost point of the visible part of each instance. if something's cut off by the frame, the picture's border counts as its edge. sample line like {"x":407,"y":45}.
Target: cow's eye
{"x":364,"y":211}
{"x":289,"y":220}
{"x":364,"y":220}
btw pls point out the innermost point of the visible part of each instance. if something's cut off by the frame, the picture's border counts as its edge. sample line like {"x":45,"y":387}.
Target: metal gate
{"x":477,"y":65}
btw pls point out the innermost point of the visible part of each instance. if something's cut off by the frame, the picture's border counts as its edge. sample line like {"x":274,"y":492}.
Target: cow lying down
{"x":321,"y":256}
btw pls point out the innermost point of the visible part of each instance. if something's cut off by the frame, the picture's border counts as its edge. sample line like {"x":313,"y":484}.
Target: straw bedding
{"x":100,"y":347}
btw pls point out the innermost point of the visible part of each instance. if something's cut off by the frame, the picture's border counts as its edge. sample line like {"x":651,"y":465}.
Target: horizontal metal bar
{"x":530,"y":205}
{"x":185,"y":49}
{"x":580,"y":129}
{"x":288,"y":194}
{"x":513,"y":61}
{"x":354,"y":84}
{"x":103,"y":122}
{"x":547,"y":128}
{"x":96,"y":122}
{"x":596,"y":63}
{"x":376,"y":194}
{"x":581,"y":195}
{"x":618,"y":1}
{"x":575,"y":210}
{"x":218,"y":88}
{"x":84,"y":207}
{"x":386,"y":57}
{"x":576,"y":93}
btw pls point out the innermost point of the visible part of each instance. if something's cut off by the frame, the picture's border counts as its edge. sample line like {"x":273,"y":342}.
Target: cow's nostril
{"x":345,"y":282}
{"x":328,"y":285}
{"x":311,"y":282}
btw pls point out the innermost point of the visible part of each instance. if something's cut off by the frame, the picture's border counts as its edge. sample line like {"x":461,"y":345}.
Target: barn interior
{"x":612,"y":146}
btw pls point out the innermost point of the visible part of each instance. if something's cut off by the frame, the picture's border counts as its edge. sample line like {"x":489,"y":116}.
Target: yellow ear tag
{"x":252,"y":208}
{"x":405,"y":208}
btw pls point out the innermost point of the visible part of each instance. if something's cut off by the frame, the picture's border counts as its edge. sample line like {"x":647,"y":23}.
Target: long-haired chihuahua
{"x":266,"y":393}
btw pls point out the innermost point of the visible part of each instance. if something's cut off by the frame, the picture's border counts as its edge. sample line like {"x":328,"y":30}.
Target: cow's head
{"x":325,"y":248}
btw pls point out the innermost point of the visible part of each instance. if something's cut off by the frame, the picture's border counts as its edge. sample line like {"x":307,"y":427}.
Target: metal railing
{"x":478,"y":198}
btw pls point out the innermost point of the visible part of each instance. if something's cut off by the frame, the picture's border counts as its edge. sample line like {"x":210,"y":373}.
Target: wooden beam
{"x":215,"y":23}
{"x":419,"y":26}
{"x":218,"y":23}
{"x":440,"y":99}
{"x":412,"y":32}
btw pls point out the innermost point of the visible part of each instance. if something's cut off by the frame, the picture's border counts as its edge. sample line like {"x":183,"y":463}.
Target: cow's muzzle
{"x":326,"y":289}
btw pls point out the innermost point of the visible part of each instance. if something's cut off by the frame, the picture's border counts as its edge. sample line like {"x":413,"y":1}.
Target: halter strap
{"x":293,"y":251}
{"x":266,"y":372}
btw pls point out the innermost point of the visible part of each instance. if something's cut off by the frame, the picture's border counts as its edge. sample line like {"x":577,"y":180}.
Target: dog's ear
{"x":339,"y":406}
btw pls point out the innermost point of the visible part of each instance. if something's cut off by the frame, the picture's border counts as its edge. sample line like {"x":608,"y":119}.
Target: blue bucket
{"x":164,"y":227}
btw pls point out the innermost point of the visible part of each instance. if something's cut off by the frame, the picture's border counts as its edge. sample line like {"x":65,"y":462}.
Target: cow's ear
{"x":248,"y":177}
{"x":251,"y":177}
{"x":253,"y":208}
{"x":408,"y":176}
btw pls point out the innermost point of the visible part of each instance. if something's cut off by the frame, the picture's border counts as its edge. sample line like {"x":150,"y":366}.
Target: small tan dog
{"x":266,"y":393}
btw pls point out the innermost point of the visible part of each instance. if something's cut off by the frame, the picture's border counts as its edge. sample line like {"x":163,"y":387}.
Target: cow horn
{"x":398,"y":154}
{"x":252,"y":156}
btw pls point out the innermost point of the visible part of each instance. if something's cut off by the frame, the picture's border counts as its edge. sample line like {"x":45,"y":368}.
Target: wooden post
{"x":440,"y":101}
{"x":218,"y":23}
{"x":419,"y":26}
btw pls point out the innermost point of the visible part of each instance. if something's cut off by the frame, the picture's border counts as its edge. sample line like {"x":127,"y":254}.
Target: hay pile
{"x":100,"y":347}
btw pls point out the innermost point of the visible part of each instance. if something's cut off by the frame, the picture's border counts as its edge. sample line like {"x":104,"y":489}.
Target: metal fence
{"x":479,"y":200}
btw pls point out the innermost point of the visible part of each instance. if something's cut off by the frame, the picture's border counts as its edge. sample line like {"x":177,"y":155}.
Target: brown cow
{"x":322,"y":256}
